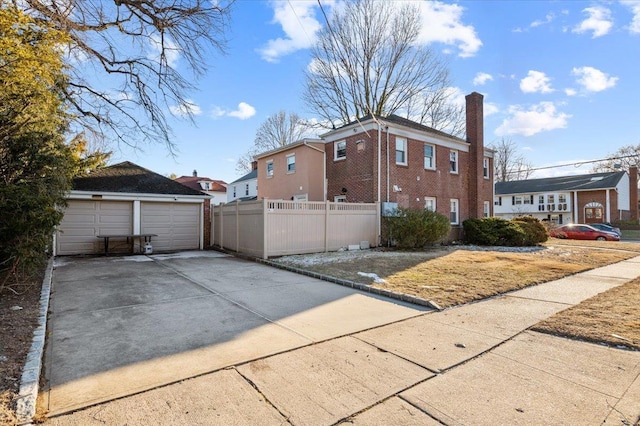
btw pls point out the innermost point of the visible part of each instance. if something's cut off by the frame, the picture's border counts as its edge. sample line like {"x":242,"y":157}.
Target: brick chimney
{"x":475,"y":137}
{"x":195,"y":173}
{"x":633,"y":193}
{"x":254,"y":165}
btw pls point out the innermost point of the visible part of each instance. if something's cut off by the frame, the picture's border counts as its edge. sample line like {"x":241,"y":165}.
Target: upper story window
{"x":340,"y":150}
{"x":429,"y":156}
{"x":401,"y":151}
{"x":234,"y":191}
{"x":246,"y":189}
{"x":485,"y":168}
{"x":497,"y":201}
{"x":540,"y":199}
{"x":517,"y":200}
{"x":562,"y":198}
{"x":453,"y":161}
{"x":291,"y":163}
{"x":269,"y":168}
{"x":430,"y":203}
{"x":551,"y":198}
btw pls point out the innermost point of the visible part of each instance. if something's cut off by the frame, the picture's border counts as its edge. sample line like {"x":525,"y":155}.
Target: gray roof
{"x":593,"y":181}
{"x":130,"y":178}
{"x":253,"y":174}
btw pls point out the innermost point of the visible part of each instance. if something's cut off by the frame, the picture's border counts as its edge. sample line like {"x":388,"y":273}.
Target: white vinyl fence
{"x":268,"y":228}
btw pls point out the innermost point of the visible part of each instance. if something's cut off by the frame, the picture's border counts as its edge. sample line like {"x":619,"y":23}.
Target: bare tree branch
{"x":123,"y":60}
{"x":508,"y":164}
{"x":625,"y":157}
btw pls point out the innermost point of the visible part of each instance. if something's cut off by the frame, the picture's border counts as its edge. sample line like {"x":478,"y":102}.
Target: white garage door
{"x":83,"y":220}
{"x":177,"y":225}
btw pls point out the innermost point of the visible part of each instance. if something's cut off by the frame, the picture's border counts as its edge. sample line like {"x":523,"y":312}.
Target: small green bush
{"x":415,"y":228}
{"x":493,"y":231}
{"x":536,"y":232}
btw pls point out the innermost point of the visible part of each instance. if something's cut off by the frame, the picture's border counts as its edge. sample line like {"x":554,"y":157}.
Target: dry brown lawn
{"x":450,"y":276}
{"x":612,"y":317}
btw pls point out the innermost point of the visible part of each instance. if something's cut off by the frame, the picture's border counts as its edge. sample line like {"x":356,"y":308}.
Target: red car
{"x":583,"y":232}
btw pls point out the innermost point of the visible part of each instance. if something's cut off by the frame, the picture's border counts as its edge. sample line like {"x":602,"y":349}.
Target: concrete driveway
{"x":123,"y":325}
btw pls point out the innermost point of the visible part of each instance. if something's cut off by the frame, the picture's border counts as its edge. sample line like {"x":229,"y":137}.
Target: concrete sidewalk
{"x":474,"y":364}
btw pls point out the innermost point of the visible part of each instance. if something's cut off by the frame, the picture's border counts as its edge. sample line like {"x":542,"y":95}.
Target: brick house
{"x":293,"y":172}
{"x":398,"y":161}
{"x":589,"y":198}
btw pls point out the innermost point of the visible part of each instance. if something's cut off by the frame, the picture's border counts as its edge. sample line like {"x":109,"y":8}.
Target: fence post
{"x":378,"y":221}
{"x":265,"y":233}
{"x":326,"y":225}
{"x":237,"y":226}
{"x":221,"y":227}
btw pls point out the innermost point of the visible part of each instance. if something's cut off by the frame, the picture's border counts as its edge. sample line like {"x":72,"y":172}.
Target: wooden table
{"x":132,"y":237}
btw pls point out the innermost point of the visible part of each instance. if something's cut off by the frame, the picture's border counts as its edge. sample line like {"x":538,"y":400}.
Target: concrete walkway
{"x":475,"y":364}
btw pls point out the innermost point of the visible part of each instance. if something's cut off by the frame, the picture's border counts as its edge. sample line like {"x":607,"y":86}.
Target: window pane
{"x":401,"y":151}
{"x":453,"y":161}
{"x":291,"y":163}
{"x":341,"y":149}
{"x":428,"y":156}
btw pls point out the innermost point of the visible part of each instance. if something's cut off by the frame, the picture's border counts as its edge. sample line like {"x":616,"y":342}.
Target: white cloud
{"x":538,"y":118}
{"x":186,"y":109}
{"x":592,"y":79}
{"x":634,"y":27}
{"x":297,"y":19}
{"x":442,"y":23}
{"x":599,"y":21}
{"x":171,"y":50}
{"x":490,"y":109}
{"x":243,"y":112}
{"x":570,"y":92}
{"x":481,"y":78}
{"x":539,"y":22}
{"x":536,"y":81}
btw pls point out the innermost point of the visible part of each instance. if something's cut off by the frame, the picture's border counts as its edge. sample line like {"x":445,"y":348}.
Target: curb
{"x":352,"y":284}
{"x":28,"y":394}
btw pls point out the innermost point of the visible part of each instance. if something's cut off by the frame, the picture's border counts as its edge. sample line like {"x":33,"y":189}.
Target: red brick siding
{"x":586,"y":197}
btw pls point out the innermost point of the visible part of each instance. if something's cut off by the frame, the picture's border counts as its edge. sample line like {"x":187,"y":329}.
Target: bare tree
{"x":278,"y":130}
{"x":508,"y":163}
{"x":122,"y":60}
{"x":625,"y":157}
{"x":366,"y":61}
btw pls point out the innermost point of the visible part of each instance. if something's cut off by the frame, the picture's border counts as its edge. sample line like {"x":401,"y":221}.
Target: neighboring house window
{"x":340,"y":150}
{"x":453,"y":161}
{"x":340,"y":198}
{"x":487,"y":209}
{"x":430,"y":203}
{"x":246,"y":189}
{"x":234,"y":191}
{"x":540,"y":199}
{"x":401,"y":151}
{"x":291,"y":163}
{"x":485,"y":167}
{"x":551,"y":199}
{"x":269,"y":168}
{"x":528,"y":200}
{"x":429,"y":156}
{"x":562,"y":198}
{"x":498,"y":201}
{"x":453,"y":212}
{"x":517,"y":200}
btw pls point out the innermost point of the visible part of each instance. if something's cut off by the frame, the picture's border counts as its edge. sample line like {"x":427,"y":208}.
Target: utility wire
{"x":579,"y":163}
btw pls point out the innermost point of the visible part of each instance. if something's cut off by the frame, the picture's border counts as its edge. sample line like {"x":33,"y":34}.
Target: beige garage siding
{"x":177,"y":225}
{"x":84,"y":219}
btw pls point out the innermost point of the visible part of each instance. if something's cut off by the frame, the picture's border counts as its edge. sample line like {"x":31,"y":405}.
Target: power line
{"x":577,"y":164}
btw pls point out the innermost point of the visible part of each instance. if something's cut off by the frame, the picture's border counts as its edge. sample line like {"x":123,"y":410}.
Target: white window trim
{"x":269,"y":174}
{"x":405,"y":150}
{"x":426,"y":199}
{"x":433,"y":157}
{"x":457,"y":161}
{"x":335,"y":150}
{"x":294,"y":163}
{"x":454,"y":202}
{"x":485,"y":166}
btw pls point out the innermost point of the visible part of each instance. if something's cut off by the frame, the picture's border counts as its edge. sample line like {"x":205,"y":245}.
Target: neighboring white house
{"x":591,"y":198}
{"x":216,"y":189}
{"x":245,"y":188}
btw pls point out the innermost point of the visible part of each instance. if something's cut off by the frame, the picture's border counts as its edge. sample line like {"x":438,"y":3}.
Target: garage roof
{"x":130,"y":178}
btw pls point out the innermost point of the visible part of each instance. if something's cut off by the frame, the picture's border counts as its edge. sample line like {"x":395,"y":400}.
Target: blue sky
{"x":560,"y":79}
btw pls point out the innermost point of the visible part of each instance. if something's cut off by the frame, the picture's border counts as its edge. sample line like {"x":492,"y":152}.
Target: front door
{"x":594,"y":213}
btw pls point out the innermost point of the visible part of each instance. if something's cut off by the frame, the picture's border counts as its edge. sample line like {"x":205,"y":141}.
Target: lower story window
{"x":487,"y":210}
{"x":453,"y":212}
{"x":430,"y":203}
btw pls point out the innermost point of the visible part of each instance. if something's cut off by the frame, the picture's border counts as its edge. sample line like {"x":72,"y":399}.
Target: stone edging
{"x":28,"y":394}
{"x":347,"y":283}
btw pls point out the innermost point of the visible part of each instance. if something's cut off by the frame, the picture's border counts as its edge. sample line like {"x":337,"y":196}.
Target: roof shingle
{"x":593,"y":181}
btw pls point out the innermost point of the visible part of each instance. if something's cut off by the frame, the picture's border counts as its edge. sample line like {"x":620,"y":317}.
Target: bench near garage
{"x":130,"y":239}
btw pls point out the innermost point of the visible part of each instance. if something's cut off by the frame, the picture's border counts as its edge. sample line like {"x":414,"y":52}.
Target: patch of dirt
{"x":18,"y":319}
{"x":612,"y":318}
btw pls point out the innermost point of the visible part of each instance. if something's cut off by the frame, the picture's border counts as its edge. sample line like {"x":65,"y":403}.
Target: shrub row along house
{"x":390,"y":160}
{"x":590,"y":198}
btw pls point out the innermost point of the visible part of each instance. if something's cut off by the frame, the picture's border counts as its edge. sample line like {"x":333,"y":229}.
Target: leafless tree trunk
{"x":278,"y":130}
{"x":123,"y":55}
{"x":366,"y":61}
{"x":508,"y":163}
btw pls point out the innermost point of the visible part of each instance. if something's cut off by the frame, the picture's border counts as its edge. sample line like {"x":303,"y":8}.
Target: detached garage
{"x":127,"y":199}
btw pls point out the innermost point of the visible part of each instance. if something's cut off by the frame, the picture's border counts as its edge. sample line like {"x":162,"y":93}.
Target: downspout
{"x":379,"y":154}
{"x":388,"y":163}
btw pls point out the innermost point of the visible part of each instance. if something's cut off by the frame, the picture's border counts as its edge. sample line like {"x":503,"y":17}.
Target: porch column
{"x":576,"y":213}
{"x":607,"y":214}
